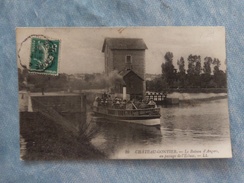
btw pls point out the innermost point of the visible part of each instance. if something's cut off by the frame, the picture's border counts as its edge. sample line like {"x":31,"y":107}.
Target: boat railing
{"x":156,"y":96}
{"x":130,"y":112}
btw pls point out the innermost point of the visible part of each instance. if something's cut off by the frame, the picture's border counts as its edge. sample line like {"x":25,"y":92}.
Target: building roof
{"x":123,"y":73}
{"x":124,"y":44}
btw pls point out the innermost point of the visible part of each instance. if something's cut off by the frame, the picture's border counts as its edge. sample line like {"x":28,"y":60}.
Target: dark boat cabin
{"x":134,"y":84}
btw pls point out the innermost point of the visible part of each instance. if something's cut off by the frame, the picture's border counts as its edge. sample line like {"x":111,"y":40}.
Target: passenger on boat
{"x":102,"y":102}
{"x":117,"y":103}
{"x":122,"y":104}
{"x":95,"y":103}
{"x":110,"y":102}
{"x":105,"y":102}
{"x":104,"y":96}
{"x":98,"y":101}
{"x":143,"y":105}
{"x":152,"y":104}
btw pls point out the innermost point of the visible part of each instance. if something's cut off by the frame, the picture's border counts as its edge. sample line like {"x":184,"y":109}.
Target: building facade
{"x":127,"y":56}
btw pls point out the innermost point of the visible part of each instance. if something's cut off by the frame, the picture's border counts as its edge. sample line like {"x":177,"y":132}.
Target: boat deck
{"x":128,"y":113}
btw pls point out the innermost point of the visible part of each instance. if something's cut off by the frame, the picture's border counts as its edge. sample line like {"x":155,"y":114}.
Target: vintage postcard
{"x":123,"y":93}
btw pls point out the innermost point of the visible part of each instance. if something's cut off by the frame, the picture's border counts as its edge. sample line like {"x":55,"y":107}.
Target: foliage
{"x":168,"y":68}
{"x":196,"y":76}
{"x":194,"y":65}
{"x":182,"y":72}
{"x":158,"y":84}
{"x":207,"y":65}
{"x":65,"y":82}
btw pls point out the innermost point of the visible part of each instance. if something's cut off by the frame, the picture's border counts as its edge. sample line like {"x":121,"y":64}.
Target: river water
{"x":194,"y":127}
{"x":187,"y":130}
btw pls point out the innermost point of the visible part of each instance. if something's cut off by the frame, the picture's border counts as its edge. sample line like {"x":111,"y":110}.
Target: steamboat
{"x":142,"y":113}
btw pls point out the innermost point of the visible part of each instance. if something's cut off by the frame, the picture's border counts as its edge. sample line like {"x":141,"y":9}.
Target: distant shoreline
{"x":198,"y":90}
{"x":203,"y":99}
{"x":171,"y":90}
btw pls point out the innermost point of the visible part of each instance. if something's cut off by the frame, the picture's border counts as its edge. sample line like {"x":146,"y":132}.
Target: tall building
{"x":127,"y":56}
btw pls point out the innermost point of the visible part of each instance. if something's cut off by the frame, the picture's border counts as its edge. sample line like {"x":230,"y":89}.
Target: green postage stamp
{"x":44,"y":56}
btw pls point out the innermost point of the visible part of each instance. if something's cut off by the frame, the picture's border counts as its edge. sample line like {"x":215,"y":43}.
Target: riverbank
{"x":47,"y":140}
{"x":199,"y":100}
{"x":196,"y":96}
{"x":198,"y":90}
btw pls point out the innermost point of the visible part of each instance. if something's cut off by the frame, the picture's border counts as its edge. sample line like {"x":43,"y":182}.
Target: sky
{"x":81,"y":48}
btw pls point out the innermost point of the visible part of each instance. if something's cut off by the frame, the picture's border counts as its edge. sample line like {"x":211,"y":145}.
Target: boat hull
{"x":143,"y":119}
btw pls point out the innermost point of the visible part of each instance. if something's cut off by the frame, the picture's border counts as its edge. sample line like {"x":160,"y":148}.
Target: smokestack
{"x":124,"y":92}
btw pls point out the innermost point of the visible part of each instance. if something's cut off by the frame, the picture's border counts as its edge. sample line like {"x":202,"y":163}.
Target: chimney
{"x":124,"y":92}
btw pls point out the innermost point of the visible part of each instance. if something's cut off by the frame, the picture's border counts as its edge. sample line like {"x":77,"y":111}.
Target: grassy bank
{"x":47,"y":140}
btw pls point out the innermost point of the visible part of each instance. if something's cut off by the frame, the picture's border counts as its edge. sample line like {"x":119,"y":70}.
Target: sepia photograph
{"x":122,"y":93}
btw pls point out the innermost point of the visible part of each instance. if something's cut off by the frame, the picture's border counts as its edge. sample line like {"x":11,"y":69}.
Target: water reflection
{"x":113,"y":135}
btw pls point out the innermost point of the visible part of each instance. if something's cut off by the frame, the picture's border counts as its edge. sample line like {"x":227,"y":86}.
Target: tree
{"x":219,"y":75}
{"x":206,"y":76}
{"x":181,"y":64}
{"x":198,"y":68}
{"x":89,"y":77}
{"x":194,"y":70}
{"x":156,"y":85}
{"x":216,"y":63}
{"x":182,"y":72}
{"x":168,"y":69}
{"x":191,"y":65}
{"x":207,"y":65}
{"x":59,"y":82}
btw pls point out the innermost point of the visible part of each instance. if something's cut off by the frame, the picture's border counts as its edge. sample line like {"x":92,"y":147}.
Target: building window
{"x":128,"y":59}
